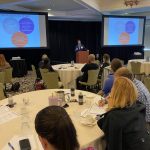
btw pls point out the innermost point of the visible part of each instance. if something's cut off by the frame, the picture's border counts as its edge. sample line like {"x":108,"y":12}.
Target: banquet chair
{"x":51,"y":80}
{"x":2,"y":77}
{"x":136,"y":70}
{"x":42,"y":71}
{"x":92,"y":80}
{"x":34,"y":71}
{"x":2,"y":96}
{"x":147,"y":82}
{"x":8,"y":75}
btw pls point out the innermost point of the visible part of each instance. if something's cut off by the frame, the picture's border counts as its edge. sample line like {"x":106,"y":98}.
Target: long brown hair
{"x":54,"y":124}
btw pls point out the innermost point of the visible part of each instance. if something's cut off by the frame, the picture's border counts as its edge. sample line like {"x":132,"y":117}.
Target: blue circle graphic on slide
{"x":10,"y":25}
{"x":130,"y":27}
{"x":26,"y":25}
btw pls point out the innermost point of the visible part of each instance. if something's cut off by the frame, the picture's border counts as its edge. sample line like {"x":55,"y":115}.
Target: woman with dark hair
{"x":55,"y":129}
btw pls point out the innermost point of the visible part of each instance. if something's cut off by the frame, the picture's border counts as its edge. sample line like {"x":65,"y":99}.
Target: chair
{"x":2,"y":77}
{"x":34,"y":70}
{"x":2,"y":96}
{"x":8,"y":75}
{"x":51,"y":80}
{"x":147,"y":82}
{"x":43,"y":71}
{"x":92,"y":79}
{"x":136,"y":69}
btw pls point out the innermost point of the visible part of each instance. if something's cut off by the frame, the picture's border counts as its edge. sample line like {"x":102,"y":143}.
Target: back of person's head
{"x":91,"y":58}
{"x":123,"y":93}
{"x":124,"y":72}
{"x":115,"y":64}
{"x":44,"y":56}
{"x":2,"y":60}
{"x":46,"y":61}
{"x":106,"y":58}
{"x":54,"y":125}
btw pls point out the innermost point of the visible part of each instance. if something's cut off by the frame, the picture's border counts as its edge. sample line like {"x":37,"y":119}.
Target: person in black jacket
{"x":91,"y":65}
{"x":124,"y":124}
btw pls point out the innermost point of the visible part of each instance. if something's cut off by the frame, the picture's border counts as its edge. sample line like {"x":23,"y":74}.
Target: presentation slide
{"x":123,"y":31}
{"x":22,"y":30}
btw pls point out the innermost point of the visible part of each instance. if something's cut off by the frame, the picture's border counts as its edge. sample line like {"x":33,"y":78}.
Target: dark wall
{"x":62,"y":39}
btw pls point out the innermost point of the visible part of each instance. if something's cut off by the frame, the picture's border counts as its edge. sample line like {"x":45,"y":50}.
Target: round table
{"x":68,"y":74}
{"x":87,"y":136}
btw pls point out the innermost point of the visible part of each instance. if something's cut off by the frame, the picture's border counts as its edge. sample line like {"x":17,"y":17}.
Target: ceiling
{"x":78,"y":9}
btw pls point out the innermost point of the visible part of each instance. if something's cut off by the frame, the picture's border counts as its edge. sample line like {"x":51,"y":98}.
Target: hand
{"x":101,"y":103}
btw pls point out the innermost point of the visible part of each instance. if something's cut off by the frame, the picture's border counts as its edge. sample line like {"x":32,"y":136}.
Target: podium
{"x":82,"y":56}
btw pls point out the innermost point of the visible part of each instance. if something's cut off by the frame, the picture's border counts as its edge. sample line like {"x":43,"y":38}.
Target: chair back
{"x":147,"y":82}
{"x":92,"y":77}
{"x":2,"y":96}
{"x":42,"y":71}
{"x":34,"y":70}
{"x":8,"y":75}
{"x":135,"y":67}
{"x":51,"y":80}
{"x":2,"y":77}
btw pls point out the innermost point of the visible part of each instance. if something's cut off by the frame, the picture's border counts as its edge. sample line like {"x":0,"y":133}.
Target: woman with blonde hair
{"x":124,"y":124}
{"x":3,"y":63}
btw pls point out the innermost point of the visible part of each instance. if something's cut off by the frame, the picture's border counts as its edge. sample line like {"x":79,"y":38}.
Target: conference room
{"x":75,"y":75}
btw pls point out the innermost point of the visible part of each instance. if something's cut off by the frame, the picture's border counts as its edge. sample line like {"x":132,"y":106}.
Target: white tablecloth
{"x":68,"y":74}
{"x":87,"y":136}
{"x":145,"y":66}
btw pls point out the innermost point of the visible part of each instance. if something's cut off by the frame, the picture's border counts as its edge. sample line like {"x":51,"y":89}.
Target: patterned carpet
{"x":26,"y":84}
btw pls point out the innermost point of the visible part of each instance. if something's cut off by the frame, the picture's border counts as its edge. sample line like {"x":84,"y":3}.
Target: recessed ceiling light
{"x":49,"y":9}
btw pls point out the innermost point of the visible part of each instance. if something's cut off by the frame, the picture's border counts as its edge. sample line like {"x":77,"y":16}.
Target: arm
{"x":85,"y":68}
{"x":106,"y":87}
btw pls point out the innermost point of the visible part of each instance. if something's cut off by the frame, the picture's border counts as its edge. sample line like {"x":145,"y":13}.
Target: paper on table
{"x":15,"y":142}
{"x":97,"y":110}
{"x":6,"y":114}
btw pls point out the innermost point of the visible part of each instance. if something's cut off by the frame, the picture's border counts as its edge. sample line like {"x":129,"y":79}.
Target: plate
{"x":88,"y":124}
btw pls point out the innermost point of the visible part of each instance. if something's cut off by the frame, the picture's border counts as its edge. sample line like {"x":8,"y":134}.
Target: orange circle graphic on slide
{"x":124,"y":38}
{"x":19,"y":39}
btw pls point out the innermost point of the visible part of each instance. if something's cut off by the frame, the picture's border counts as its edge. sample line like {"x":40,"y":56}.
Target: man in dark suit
{"x":91,"y":65}
{"x":79,"y":46}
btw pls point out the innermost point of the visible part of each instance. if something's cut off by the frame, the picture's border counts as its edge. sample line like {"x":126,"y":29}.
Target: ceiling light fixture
{"x":131,"y":3}
{"x":49,"y":9}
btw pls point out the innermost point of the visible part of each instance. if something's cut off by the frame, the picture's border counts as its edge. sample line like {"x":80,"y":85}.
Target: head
{"x":44,"y":56}
{"x":46,"y":60}
{"x":124,"y":72}
{"x":115,"y":64}
{"x":123,"y":93}
{"x":106,"y":58}
{"x":91,"y":58}
{"x":79,"y":42}
{"x":55,"y":129}
{"x":2,"y":60}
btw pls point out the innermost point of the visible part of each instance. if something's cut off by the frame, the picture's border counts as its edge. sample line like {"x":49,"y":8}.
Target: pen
{"x":9,"y":144}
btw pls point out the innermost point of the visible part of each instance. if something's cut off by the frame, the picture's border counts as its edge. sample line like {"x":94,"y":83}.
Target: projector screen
{"x":123,"y":31}
{"x":23,"y":30}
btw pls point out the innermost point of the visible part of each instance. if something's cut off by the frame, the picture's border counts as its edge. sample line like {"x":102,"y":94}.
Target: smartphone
{"x":25,"y":144}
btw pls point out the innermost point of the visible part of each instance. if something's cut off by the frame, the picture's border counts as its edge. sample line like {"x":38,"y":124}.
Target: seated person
{"x":79,"y":46}
{"x":106,"y":62}
{"x":46,"y":65}
{"x":41,"y":63}
{"x":91,"y":65}
{"x":115,"y":64}
{"x":55,"y":129}
{"x":124,"y":124}
{"x":3,"y":63}
{"x":143,"y":93}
